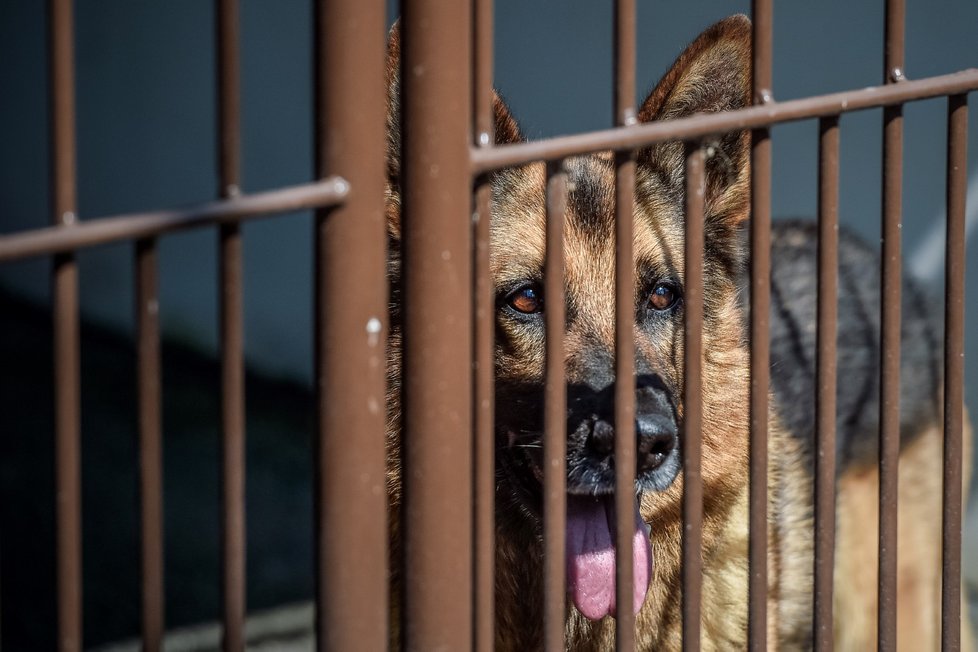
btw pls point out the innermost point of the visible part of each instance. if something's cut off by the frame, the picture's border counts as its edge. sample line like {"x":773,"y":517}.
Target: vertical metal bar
{"x":760,"y":301}
{"x":693,"y":400}
{"x":825,"y":398}
{"x":624,"y":63}
{"x":229,"y":97}
{"x":232,"y":441}
{"x":150,"y":443}
{"x":555,"y":416}
{"x":232,"y":335}
{"x":889,"y":446}
{"x":957,"y":171}
{"x":484,"y":444}
{"x":624,"y":333}
{"x":437,"y":391}
{"x":351,"y":330}
{"x":66,"y":337}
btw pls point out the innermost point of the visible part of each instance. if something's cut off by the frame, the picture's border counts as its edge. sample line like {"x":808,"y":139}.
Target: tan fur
{"x":918,"y":550}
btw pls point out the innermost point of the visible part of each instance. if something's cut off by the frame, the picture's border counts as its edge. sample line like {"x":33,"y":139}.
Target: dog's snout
{"x":657,"y":436}
{"x":592,"y":433}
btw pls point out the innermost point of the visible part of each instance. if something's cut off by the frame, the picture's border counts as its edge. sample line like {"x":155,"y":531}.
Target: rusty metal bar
{"x":957,"y":173}
{"x":760,"y":337}
{"x":437,"y":374}
{"x":889,"y":445}
{"x":698,"y":126}
{"x":484,"y":438}
{"x":67,"y":403}
{"x":351,"y":524}
{"x":233,"y":459}
{"x":825,"y":397}
{"x":134,"y":226}
{"x":150,"y":443}
{"x":693,"y":399}
{"x":555,"y":416}
{"x":624,"y":331}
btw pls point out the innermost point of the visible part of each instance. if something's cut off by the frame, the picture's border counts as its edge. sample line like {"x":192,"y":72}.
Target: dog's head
{"x":713,"y":74}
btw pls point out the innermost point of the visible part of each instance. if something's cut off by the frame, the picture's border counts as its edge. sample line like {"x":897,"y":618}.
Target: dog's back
{"x":794,"y":290}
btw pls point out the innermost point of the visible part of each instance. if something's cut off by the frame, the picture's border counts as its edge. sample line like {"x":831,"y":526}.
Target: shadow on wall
{"x":279,"y":478}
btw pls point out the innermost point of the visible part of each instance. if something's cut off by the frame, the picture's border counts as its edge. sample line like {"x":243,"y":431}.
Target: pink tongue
{"x":591,"y":556}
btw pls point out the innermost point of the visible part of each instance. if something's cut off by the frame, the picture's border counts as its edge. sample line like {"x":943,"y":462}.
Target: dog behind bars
{"x":712,"y":74}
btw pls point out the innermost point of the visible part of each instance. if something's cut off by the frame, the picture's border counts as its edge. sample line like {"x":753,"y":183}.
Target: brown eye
{"x":526,"y":300}
{"x":663,"y":297}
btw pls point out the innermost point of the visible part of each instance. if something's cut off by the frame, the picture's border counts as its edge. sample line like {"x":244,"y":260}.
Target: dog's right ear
{"x":713,"y":74}
{"x":506,"y":129}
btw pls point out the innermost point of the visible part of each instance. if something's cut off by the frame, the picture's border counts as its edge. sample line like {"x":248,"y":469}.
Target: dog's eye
{"x":527,"y":300}
{"x":663,"y":297}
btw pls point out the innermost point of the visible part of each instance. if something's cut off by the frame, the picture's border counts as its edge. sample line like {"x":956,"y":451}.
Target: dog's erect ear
{"x":506,"y":128}
{"x":712,"y":74}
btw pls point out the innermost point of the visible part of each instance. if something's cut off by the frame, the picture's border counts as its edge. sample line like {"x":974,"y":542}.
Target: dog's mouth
{"x":591,"y":537}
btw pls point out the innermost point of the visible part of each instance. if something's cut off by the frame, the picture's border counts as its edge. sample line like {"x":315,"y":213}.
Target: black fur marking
{"x":589,"y":201}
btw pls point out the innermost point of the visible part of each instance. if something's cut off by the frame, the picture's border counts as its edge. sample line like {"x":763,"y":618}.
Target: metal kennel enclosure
{"x":448,"y":335}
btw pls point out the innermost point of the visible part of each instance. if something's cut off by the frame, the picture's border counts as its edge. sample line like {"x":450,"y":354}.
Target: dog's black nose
{"x":657,"y":437}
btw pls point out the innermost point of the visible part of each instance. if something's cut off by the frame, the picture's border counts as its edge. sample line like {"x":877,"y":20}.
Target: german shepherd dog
{"x":712,"y":74}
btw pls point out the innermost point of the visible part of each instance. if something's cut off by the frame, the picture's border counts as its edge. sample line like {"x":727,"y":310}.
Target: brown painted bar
{"x":233,"y":462}
{"x":957,"y":179}
{"x":693,"y":400}
{"x":232,"y":439}
{"x":825,"y":392}
{"x":67,"y":453}
{"x":150,"y":442}
{"x":624,"y":63}
{"x":134,"y":226}
{"x":233,"y":445}
{"x":228,"y":97}
{"x":889,"y":445}
{"x":555,"y":417}
{"x":482,"y":67}
{"x":67,"y":404}
{"x":760,"y":329}
{"x":624,"y":330}
{"x":351,"y":312}
{"x":484,"y":439}
{"x":698,"y":126}
{"x":437,"y":370}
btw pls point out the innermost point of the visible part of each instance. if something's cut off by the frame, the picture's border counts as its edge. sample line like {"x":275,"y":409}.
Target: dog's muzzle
{"x":591,"y":439}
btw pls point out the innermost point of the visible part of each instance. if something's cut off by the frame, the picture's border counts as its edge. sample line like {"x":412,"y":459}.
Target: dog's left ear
{"x":506,"y":129}
{"x":713,"y":74}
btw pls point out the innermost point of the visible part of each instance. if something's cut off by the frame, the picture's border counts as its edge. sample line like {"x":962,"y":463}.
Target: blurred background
{"x":146,"y":140}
